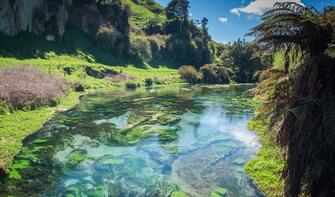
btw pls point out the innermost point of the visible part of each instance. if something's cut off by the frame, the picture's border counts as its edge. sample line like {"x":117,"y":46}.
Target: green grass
{"x":279,"y":61}
{"x":74,"y":43}
{"x":56,"y":64}
{"x":265,"y":169}
{"x":141,"y":15}
{"x":75,"y":51}
{"x":14,"y":127}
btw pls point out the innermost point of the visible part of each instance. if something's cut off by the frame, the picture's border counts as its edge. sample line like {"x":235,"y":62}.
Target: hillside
{"x":144,"y":11}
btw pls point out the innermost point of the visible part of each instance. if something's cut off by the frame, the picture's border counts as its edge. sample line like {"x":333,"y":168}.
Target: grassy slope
{"x":141,"y":14}
{"x":75,"y":51}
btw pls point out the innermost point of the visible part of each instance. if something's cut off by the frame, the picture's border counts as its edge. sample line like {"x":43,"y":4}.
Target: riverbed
{"x":168,"y":141}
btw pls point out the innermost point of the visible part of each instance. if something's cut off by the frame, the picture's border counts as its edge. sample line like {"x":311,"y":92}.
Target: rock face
{"x":49,"y":17}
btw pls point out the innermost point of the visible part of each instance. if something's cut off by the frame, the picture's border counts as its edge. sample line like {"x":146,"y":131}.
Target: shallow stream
{"x":171,"y":141}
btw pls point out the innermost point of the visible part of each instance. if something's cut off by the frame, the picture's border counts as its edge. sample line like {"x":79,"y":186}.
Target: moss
{"x":72,"y":190}
{"x":173,"y":149}
{"x":168,"y":135}
{"x":219,"y":192}
{"x":38,"y":141}
{"x":75,"y":157}
{"x":21,"y":164}
{"x":168,"y":120}
{"x":16,"y":167}
{"x":179,"y":194}
{"x":95,"y":192}
{"x":265,"y":169}
{"x":15,"y":175}
{"x":19,"y":124}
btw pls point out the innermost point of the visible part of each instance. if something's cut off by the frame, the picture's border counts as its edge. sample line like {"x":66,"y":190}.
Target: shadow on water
{"x":157,"y":142}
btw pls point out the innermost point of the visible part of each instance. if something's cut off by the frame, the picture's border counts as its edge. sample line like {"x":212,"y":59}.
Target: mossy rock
{"x":75,"y":157}
{"x":219,"y":192}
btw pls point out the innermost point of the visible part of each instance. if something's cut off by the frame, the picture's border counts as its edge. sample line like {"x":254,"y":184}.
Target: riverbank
{"x":265,"y":169}
{"x":15,"y":125}
{"x":19,"y":124}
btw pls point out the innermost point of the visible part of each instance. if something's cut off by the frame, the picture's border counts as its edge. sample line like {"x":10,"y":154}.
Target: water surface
{"x":158,"y":142}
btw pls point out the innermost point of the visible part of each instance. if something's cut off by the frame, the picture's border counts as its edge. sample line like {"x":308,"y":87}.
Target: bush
{"x":189,"y":74}
{"x":157,"y":45}
{"x":26,"y":87}
{"x":140,"y":49}
{"x":149,"y":82}
{"x":214,"y":73}
{"x":132,"y":85}
{"x":107,"y":36}
{"x":158,"y":81}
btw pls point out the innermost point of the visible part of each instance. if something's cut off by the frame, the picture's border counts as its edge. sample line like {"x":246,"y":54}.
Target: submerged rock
{"x":202,"y":171}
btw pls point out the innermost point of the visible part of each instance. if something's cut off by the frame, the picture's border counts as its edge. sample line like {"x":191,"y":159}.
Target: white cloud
{"x":259,"y":7}
{"x":236,"y":11}
{"x":223,"y":19}
{"x":190,"y":14}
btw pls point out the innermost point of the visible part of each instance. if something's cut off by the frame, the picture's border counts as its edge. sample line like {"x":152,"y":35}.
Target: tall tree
{"x":307,"y":130}
{"x":204,"y":28}
{"x":178,"y":11}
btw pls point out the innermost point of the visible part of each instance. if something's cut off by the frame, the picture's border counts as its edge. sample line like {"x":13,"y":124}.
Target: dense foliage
{"x":300,"y":106}
{"x":245,"y":60}
{"x":189,"y":74}
{"x":216,"y":74}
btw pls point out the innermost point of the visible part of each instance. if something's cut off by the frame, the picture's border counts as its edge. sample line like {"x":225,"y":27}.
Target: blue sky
{"x":231,"y":19}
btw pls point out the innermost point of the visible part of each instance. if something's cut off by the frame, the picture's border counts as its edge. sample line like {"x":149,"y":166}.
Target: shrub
{"x":27,"y":87}
{"x":132,"y":85}
{"x":107,"y":36}
{"x":157,"y":45}
{"x":158,"y":81}
{"x":214,"y":73}
{"x":140,"y":49}
{"x":189,"y":74}
{"x":149,"y":82}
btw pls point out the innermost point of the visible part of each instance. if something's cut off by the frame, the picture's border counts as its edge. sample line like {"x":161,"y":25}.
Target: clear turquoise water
{"x":157,"y":142}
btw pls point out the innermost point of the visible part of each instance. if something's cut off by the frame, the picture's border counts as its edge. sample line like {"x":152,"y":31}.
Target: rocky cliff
{"x":50,"y":17}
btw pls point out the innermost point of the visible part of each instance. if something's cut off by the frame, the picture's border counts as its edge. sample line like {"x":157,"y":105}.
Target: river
{"x":171,"y":141}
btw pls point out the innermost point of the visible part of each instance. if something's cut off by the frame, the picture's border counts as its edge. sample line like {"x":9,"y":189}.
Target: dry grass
{"x":26,"y":86}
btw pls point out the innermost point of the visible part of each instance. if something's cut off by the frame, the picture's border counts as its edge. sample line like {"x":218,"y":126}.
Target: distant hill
{"x":134,"y":31}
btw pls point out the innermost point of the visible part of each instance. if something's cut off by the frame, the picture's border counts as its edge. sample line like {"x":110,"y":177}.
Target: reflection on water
{"x":158,"y":142}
